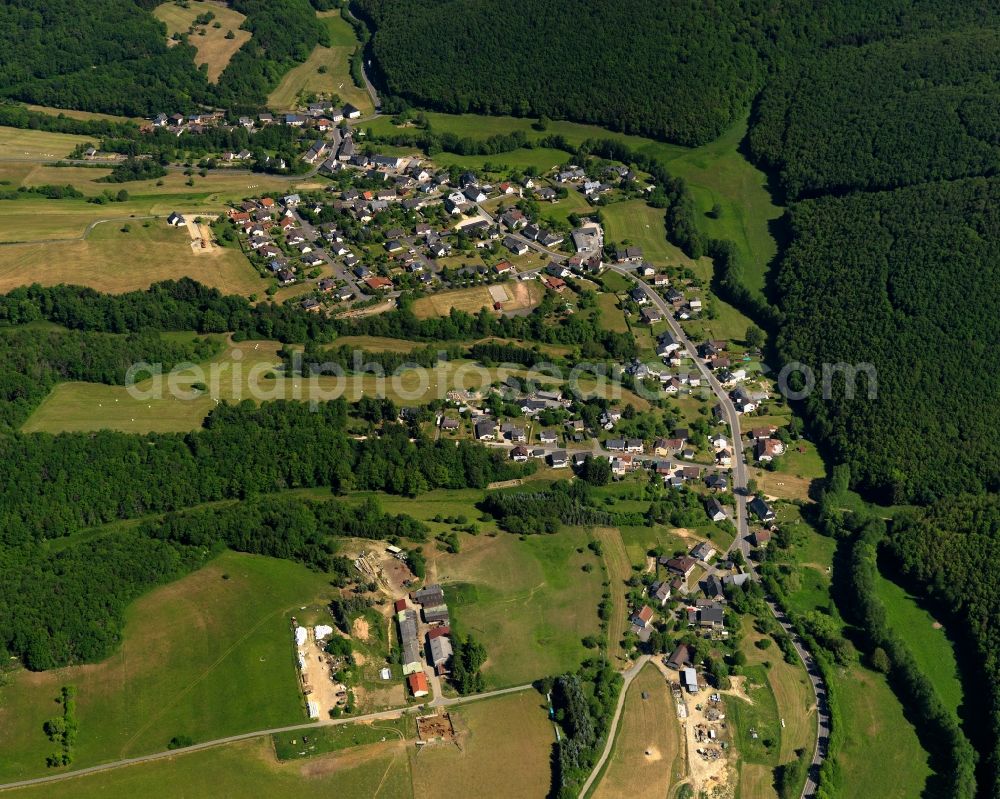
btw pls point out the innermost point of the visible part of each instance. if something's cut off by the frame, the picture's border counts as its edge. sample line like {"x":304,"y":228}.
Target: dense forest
{"x":950,"y":554}
{"x":112,"y":56}
{"x":883,"y":115}
{"x":187,"y":305}
{"x":52,"y":486}
{"x":682,"y":71}
{"x":65,"y":605}
{"x":906,"y":281}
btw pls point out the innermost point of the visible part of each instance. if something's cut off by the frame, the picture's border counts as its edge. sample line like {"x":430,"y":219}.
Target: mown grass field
{"x":728,"y":324}
{"x":792,"y":691}
{"x":35,"y":219}
{"x":718,"y":173}
{"x":521,"y":294}
{"x":573,"y":203}
{"x":306,"y":78}
{"x":73,"y":113}
{"x":113,"y":261}
{"x":207,"y":656}
{"x":619,"y":568}
{"x":530,"y":602}
{"x":214,"y":49}
{"x":648,"y":757}
{"x":644,"y":226}
{"x":246,"y":769}
{"x":247,"y":370}
{"x":541,"y":158}
{"x":506,"y":744}
{"x":18,"y":143}
{"x":926,"y":639}
{"x":612,"y":317}
{"x":293,"y":746}
{"x":881,"y":755}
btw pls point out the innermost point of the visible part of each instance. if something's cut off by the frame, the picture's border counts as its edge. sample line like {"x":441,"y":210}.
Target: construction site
{"x":316,"y":670}
{"x":707,"y":739}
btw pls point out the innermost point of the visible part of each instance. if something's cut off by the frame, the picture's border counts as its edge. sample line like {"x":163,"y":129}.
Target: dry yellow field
{"x":506,"y":744}
{"x":115,"y":262}
{"x":646,"y":760}
{"x":757,"y":782}
{"x":792,"y":692}
{"x":306,"y":78}
{"x":16,"y":143}
{"x":522,"y":295}
{"x":619,"y":567}
{"x":214,"y":49}
{"x":73,"y":113}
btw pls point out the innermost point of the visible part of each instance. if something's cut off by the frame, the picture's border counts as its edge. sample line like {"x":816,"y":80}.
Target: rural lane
{"x":629,"y":675}
{"x":248,"y":736}
{"x":742,"y":540}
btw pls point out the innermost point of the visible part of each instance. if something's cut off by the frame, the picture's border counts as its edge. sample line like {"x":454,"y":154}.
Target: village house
{"x":682,"y":566}
{"x":703,"y":551}
{"x":715,"y":510}
{"x":761,"y":509}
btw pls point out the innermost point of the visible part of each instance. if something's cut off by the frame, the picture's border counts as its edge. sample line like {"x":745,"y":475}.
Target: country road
{"x":248,"y":736}
{"x":629,"y":675}
{"x":742,"y":540}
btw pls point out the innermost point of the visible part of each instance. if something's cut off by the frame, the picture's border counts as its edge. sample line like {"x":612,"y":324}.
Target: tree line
{"x":948,"y":555}
{"x":187,"y":305}
{"x":52,"y":486}
{"x":112,"y":56}
{"x":66,"y":605}
{"x":584,"y":704}
{"x":953,"y":758}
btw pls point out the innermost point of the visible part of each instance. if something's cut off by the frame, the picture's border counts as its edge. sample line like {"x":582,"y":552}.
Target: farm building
{"x":418,"y":684}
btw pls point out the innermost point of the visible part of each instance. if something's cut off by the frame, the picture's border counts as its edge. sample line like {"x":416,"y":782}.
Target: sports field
{"x":207,"y":656}
{"x":520,"y":295}
{"x":246,"y":769}
{"x":326,"y":71}
{"x":505,"y":745}
{"x":648,"y":757}
{"x":214,"y":49}
{"x":114,"y":261}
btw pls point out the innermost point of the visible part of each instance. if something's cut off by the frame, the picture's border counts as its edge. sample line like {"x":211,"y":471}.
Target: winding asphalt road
{"x":742,"y":541}
{"x":247,"y":736}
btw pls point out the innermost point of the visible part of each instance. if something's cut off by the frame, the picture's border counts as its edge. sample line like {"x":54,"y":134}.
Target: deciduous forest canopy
{"x":682,"y":70}
{"x":112,"y":56}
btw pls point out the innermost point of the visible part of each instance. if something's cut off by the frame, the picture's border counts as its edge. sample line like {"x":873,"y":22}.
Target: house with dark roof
{"x":759,"y":508}
{"x":682,"y":566}
{"x":682,"y":657}
{"x":715,"y":510}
